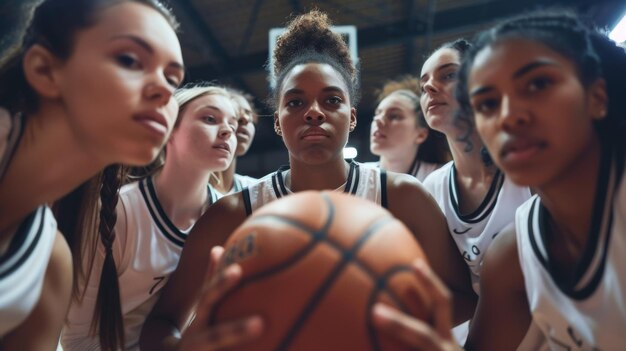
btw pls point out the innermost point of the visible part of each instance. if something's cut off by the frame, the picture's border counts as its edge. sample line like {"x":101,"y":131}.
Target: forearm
{"x":159,"y":334}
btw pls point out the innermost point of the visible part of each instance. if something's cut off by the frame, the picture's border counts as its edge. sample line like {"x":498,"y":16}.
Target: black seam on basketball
{"x":317,"y":236}
{"x":347,"y":257}
{"x":381,"y":286}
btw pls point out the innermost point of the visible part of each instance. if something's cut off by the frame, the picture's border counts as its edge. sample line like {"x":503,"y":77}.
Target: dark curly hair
{"x":309,"y":38}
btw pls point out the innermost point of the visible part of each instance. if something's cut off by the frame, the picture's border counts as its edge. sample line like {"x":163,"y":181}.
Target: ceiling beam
{"x":393,"y":33}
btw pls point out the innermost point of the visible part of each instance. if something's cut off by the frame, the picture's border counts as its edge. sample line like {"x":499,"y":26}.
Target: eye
{"x":128,"y":61}
{"x":485,"y":106}
{"x":174,"y":81}
{"x":209,"y":119}
{"x":539,"y":83}
{"x":450,"y":76}
{"x":294,"y":103}
{"x":394,"y":116}
{"x":334,"y":100}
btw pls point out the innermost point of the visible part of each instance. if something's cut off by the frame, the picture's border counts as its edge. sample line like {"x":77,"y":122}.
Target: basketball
{"x":314,"y":263}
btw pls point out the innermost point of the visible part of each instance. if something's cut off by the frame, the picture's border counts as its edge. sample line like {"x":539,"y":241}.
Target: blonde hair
{"x":183,"y":96}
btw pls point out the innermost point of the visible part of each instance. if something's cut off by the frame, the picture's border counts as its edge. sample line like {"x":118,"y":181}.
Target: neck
{"x":399,"y":161}
{"x":49,"y":162}
{"x":469,"y":163}
{"x":570,"y":198}
{"x":182,"y":192}
{"x":223,"y":181}
{"x":328,"y":176}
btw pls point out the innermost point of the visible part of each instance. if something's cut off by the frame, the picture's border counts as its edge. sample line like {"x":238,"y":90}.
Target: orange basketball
{"x":314,"y":263}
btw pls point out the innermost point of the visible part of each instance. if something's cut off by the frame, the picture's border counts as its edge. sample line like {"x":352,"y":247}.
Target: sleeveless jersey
{"x":239,"y":182}
{"x":474,"y":232}
{"x":24,"y":262}
{"x":363,"y":181}
{"x":418,"y":169}
{"x":587,"y":312}
{"x":146,"y":250}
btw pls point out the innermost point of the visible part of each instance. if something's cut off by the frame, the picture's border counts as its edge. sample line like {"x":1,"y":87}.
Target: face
{"x":205,"y":136}
{"x":394,"y":129}
{"x":531,"y":110}
{"x":247,"y":120}
{"x":117,"y":84}
{"x":314,"y":113}
{"x":437,"y":81}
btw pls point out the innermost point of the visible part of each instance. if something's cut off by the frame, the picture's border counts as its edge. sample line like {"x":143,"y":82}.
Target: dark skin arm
{"x":502,"y":316}
{"x":411,"y":203}
{"x":193,"y":284}
{"x":42,"y":328}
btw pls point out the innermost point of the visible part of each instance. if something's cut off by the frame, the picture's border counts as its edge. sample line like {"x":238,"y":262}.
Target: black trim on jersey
{"x":245,"y":193}
{"x":486,"y":206}
{"x":609,"y":176}
{"x":383,"y":188}
{"x":352,"y":183}
{"x":25,"y":231}
{"x":415,"y":167}
{"x":17,"y":129}
{"x":352,"y":186}
{"x":162,"y":221}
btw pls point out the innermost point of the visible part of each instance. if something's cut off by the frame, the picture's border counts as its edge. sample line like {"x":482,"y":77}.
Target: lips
{"x":378,"y":135}
{"x":314,"y":133}
{"x":153,"y":120}
{"x":222,"y":146}
{"x":521,"y":149}
{"x":433,"y":104}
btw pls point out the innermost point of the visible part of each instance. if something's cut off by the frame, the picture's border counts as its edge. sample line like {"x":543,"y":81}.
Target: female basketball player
{"x":156,"y":213}
{"x":91,"y":85}
{"x":400,"y":136}
{"x":547,"y":91}
{"x":227,"y":181}
{"x":316,"y":91}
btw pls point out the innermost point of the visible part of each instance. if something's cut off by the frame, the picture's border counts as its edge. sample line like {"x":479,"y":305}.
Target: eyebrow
{"x":444,"y":66}
{"x":211,"y":107}
{"x":331,"y":88}
{"x":519,"y":73}
{"x":144,"y":44}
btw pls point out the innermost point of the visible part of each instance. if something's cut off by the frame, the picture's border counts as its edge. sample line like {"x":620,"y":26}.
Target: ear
{"x":597,"y":99}
{"x":422,"y":135}
{"x":353,"y":116}
{"x":277,"y":124}
{"x":40,"y":67}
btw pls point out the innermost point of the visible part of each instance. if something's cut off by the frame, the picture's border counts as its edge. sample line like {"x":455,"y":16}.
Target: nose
{"x":513,"y":114}
{"x":314,"y":114}
{"x":159,"y":90}
{"x":225,"y":130}
{"x":379,"y":120}
{"x":430,"y":87}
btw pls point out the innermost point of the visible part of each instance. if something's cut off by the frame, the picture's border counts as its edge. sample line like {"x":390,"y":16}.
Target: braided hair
{"x":593,"y":54}
{"x":54,"y":25}
{"x":309,"y":38}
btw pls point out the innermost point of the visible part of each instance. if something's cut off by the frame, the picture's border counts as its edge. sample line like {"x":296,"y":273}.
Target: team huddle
{"x":503,"y":157}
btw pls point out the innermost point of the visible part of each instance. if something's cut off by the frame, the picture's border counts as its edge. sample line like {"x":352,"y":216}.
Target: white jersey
{"x":24,"y":262}
{"x":146,"y":250}
{"x":239,"y":182}
{"x":474,"y":232}
{"x":366,"y":182}
{"x":419,"y":169}
{"x":588,"y":313}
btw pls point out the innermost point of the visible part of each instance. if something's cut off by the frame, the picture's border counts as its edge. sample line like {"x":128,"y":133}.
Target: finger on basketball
{"x":440,"y":298}
{"x":411,"y":331}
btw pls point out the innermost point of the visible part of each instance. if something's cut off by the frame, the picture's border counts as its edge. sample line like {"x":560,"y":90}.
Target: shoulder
{"x":220,"y":219}
{"x":59,"y":269}
{"x":501,"y":264}
{"x":405,"y":188}
{"x":437,"y":177}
